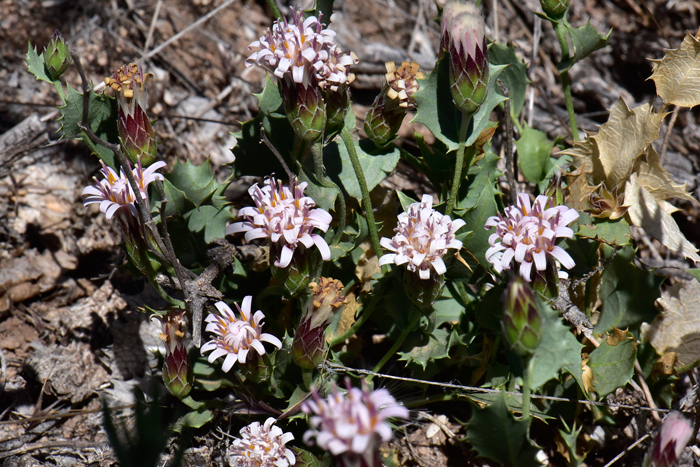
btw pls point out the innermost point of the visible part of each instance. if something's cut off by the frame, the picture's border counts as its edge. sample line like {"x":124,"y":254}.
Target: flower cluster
{"x":528,"y":233}
{"x":114,"y":193}
{"x":235,"y":337}
{"x":422,"y":238}
{"x":262,"y":446}
{"x":283,"y":215}
{"x":669,"y":444}
{"x":352,"y":422}
{"x":402,"y":81}
{"x":304,"y":50}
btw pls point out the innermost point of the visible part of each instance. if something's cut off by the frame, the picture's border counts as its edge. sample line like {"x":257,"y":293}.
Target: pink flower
{"x":234,"y":337}
{"x":262,"y":446}
{"x":303,"y":50}
{"x":114,"y":192}
{"x":668,"y":445}
{"x":528,"y":233}
{"x":284,"y":216}
{"x":422,"y":238}
{"x":352,"y":423}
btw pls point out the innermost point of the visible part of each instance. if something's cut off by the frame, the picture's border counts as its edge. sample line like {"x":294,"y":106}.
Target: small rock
{"x":24,"y":291}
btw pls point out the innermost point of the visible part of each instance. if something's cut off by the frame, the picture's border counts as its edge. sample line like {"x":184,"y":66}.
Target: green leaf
{"x":255,"y":158}
{"x":480,"y":120}
{"x":269,"y":100}
{"x":495,"y":434}
{"x":178,"y":204}
{"x":585,"y":40}
{"x":447,"y":309}
{"x":612,"y":365}
{"x":627,"y":293}
{"x":35,"y":64}
{"x":534,"y":149}
{"x":195,"y":181}
{"x":405,"y":200}
{"x":428,"y":347}
{"x":515,"y":76}
{"x":210,"y":218}
{"x":558,"y":351}
{"x":323,"y":196}
{"x":479,"y":205}
{"x":305,"y":458}
{"x":694,"y":272}
{"x":604,"y":230}
{"x":194,"y":419}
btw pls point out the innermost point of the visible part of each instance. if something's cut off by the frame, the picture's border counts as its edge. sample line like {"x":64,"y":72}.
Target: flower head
{"x":528,"y":233}
{"x":422,"y":238}
{"x":177,"y":371}
{"x":402,"y":82}
{"x":285,"y":216}
{"x":234,"y":337}
{"x":668,"y":445}
{"x":303,"y":51}
{"x":352,"y":422}
{"x":262,"y":446}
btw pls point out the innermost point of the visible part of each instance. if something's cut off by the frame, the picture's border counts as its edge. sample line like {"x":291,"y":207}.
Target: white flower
{"x":285,"y":218}
{"x":422,"y":238}
{"x":262,"y":446}
{"x":114,"y":192}
{"x":352,"y":422}
{"x":528,"y":233}
{"x":235,"y":337}
{"x":303,"y":51}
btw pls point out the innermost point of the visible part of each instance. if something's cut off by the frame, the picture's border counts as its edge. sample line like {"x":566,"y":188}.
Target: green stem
{"x":59,"y":89}
{"x":526,"y":390}
{"x":366,"y":201}
{"x":320,"y":172}
{"x":394,"y":348}
{"x":560,"y":30}
{"x":172,"y":301}
{"x":275,"y":10}
{"x":459,"y":164}
{"x":366,"y":313}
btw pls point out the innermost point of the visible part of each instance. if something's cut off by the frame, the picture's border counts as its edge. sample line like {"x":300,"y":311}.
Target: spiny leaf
{"x":210,"y":218}
{"x":35,"y":64}
{"x":652,"y":215}
{"x":604,"y":230}
{"x":585,"y":40}
{"x":678,"y":327}
{"x":612,"y":365}
{"x":515,"y":76}
{"x":269,"y":100}
{"x":495,"y":434}
{"x":677,"y":75}
{"x":534,"y":149}
{"x":196,"y":181}
{"x":428,"y":347}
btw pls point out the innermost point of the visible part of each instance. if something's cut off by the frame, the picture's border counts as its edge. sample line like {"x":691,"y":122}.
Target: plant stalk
{"x":275,"y":9}
{"x":366,"y":201}
{"x":526,"y":390}
{"x":560,"y":31}
{"x":394,"y":348}
{"x":320,"y":172}
{"x":459,"y":164}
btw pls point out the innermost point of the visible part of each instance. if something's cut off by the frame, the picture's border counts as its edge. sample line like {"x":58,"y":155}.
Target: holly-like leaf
{"x":558,"y":351}
{"x":304,"y":458}
{"x":613,"y":233}
{"x":677,"y":75}
{"x":35,"y":64}
{"x":269,"y":100}
{"x":653,"y":216}
{"x":195,"y":181}
{"x":210,"y":218}
{"x":428,"y":347}
{"x":585,"y":40}
{"x":494,"y":433}
{"x":515,"y":76}
{"x":480,"y":120}
{"x":612,"y":365}
{"x":534,"y":149}
{"x":627,"y":293}
{"x":678,"y":327}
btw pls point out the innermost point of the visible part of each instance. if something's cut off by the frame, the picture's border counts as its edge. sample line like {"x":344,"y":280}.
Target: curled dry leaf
{"x":677,"y":329}
{"x":677,"y":75}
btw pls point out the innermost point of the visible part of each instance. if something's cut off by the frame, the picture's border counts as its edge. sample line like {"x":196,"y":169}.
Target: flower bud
{"x":423,"y":292}
{"x":384,"y":118}
{"x":177,"y":371}
{"x":465,"y":44}
{"x":668,"y":445}
{"x":522,"y":319}
{"x":607,"y":204}
{"x":555,"y":191}
{"x":56,"y":56}
{"x":135,"y":132}
{"x":305,"y":109}
{"x":309,"y":347}
{"x":555,"y":9}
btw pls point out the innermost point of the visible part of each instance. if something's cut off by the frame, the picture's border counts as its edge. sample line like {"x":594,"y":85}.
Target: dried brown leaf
{"x":652,"y":176}
{"x":347,"y":319}
{"x":677,"y":75}
{"x":653,"y":216}
{"x":579,"y":190}
{"x":677,"y":329}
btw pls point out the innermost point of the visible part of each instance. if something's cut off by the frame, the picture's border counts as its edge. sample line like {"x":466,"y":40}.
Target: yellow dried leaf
{"x":347,"y":319}
{"x":652,"y":176}
{"x":610,"y":155}
{"x":665,"y":365}
{"x":367,"y":266}
{"x":677,"y":75}
{"x":579,"y":190}
{"x":651,"y":215}
{"x":587,"y":374}
{"x":677,"y":329}
{"x":617,"y":336}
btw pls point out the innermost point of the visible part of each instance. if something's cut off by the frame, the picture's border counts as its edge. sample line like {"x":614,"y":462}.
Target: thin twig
{"x":508,"y":143}
{"x":156,"y":13}
{"x":628,"y":449}
{"x":667,"y":136}
{"x":271,"y":147}
{"x":645,"y":390}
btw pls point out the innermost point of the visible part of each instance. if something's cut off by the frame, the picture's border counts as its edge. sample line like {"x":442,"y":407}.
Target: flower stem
{"x":320,"y":172}
{"x":459,"y":163}
{"x":526,"y":390}
{"x":394,"y":348}
{"x":366,"y":201}
{"x":560,"y":30}
{"x":366,"y":313}
{"x":275,"y":10}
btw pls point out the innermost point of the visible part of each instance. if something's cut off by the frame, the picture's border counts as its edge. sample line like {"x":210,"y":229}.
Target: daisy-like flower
{"x":528,"y":233}
{"x":422,"y":238}
{"x":304,"y":51}
{"x":285,"y":216}
{"x":234,"y":337}
{"x":351,"y":425}
{"x":262,"y":446}
{"x":114,"y":193}
{"x":670,"y":442}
